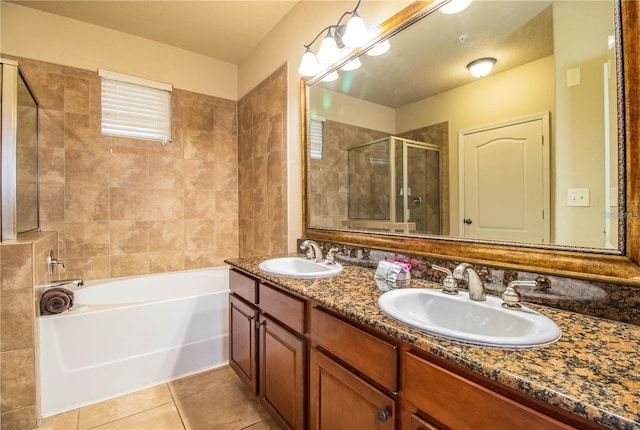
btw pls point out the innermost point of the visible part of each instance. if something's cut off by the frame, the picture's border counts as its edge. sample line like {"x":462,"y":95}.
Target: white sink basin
{"x":298,"y":267}
{"x":459,"y":318}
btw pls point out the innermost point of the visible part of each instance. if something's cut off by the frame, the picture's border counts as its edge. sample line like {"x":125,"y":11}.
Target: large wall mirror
{"x":524,"y":165}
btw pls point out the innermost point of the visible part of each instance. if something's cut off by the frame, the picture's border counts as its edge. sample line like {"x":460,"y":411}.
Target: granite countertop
{"x":591,"y":371}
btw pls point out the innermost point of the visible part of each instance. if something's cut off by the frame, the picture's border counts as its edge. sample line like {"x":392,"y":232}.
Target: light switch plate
{"x":578,"y":197}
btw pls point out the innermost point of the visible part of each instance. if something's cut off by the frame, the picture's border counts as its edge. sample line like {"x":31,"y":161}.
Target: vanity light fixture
{"x":331,"y":77}
{"x":352,"y":35}
{"x":379,"y":49}
{"x":455,"y":6}
{"x":352,"y":65}
{"x":481,"y":67}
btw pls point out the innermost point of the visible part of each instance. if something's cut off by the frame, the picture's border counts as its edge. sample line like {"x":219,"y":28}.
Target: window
{"x":136,"y":108}
{"x":316,"y":138}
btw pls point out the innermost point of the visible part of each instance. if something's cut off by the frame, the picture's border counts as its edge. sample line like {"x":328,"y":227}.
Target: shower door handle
{"x":467,"y":221}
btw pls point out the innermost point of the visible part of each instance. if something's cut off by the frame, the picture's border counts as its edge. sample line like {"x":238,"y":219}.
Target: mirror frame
{"x":622,"y":267}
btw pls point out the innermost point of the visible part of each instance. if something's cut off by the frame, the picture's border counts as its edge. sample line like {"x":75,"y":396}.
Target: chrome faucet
{"x":52,"y":262}
{"x":313,"y":250}
{"x":475,"y":284}
{"x":65,"y":283}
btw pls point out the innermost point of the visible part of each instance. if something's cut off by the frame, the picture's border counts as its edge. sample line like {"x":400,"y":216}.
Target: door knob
{"x":467,"y":221}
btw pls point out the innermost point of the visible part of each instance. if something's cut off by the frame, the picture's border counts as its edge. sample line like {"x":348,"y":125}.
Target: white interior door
{"x":504,"y":181}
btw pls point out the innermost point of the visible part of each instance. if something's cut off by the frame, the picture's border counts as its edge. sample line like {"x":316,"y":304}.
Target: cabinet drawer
{"x":462,"y":404}
{"x":243,"y":286}
{"x":287,"y":309}
{"x":370,"y":355}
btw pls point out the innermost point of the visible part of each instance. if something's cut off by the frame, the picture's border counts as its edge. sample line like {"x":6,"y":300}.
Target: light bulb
{"x":455,"y":6}
{"x":379,"y":49}
{"x":328,"y":52}
{"x":356,"y":34}
{"x":352,"y":65}
{"x":331,"y":77}
{"x":309,"y":64}
{"x":481,"y":67}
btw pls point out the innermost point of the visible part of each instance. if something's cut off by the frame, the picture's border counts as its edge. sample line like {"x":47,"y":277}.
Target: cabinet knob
{"x":249,"y":317}
{"x":259,"y":323}
{"x":383,"y":415}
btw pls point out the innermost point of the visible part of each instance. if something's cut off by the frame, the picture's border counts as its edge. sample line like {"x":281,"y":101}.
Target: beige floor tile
{"x":268,"y":424}
{"x":123,"y":406}
{"x":215,"y":378}
{"x":163,"y":417}
{"x":231,"y":408}
{"x":64,"y":421}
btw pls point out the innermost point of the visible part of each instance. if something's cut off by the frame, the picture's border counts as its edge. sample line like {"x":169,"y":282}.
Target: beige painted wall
{"x":30,"y":33}
{"x":503,"y":96}
{"x":350,"y":110}
{"x":579,"y":153}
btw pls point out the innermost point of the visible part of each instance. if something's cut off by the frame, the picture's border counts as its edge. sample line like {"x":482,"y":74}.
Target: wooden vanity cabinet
{"x":450,"y":401}
{"x":243,"y":339}
{"x":283,"y":357}
{"x":268,"y":348}
{"x":353,"y":377}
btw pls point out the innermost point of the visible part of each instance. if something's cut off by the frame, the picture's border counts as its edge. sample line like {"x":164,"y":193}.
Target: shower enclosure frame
{"x":406,"y":143}
{"x":10,"y":75}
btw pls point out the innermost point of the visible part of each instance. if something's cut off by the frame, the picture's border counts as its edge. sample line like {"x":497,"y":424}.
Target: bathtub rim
{"x":83,"y":308}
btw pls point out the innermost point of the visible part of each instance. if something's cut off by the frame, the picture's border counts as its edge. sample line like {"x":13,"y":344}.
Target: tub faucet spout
{"x":66,"y":283}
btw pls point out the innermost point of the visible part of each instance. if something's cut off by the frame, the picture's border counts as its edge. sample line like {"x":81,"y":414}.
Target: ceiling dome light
{"x":309,"y":64}
{"x":331,"y":77}
{"x":352,"y":65}
{"x":379,"y":49}
{"x":455,"y":6}
{"x":356,"y":34}
{"x":481,"y":67}
{"x":328,"y":52}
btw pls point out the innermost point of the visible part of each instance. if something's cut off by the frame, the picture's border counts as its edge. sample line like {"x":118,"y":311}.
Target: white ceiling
{"x":226,"y":30}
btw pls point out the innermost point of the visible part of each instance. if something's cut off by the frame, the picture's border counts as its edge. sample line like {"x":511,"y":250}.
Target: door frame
{"x":546,"y":166}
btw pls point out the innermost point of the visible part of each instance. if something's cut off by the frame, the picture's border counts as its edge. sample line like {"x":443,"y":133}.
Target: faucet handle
{"x":512,"y":297}
{"x":330,"y":257}
{"x":449,"y":283}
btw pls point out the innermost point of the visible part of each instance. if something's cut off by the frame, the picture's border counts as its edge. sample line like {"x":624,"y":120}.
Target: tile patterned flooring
{"x":214,"y":399}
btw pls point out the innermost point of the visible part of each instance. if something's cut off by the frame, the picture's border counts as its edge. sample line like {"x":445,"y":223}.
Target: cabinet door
{"x":342,"y":401}
{"x":282,"y":374}
{"x":243,"y":342}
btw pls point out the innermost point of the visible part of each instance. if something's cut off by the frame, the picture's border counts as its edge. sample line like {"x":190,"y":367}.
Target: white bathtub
{"x":130,"y":333}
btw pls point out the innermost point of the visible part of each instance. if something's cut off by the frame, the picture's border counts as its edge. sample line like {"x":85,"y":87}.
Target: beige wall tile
{"x":200,"y":204}
{"x":17,"y":319}
{"x":86,"y":203}
{"x":86,"y":168}
{"x":165,"y":204}
{"x":129,"y":237}
{"x":199,"y":175}
{"x":86,"y":239}
{"x":128,"y":169}
{"x":17,"y":267}
{"x":51,"y":167}
{"x":18,"y":379}
{"x":160,"y":262}
{"x":50,"y":128}
{"x":128,"y":204}
{"x":199,"y":234}
{"x":76,"y":94}
{"x":165,"y":171}
{"x":166,"y":235}
{"x":129,"y":265}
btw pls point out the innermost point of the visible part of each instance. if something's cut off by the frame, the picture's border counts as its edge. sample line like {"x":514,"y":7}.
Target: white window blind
{"x":316,"y":138}
{"x":134,"y":107}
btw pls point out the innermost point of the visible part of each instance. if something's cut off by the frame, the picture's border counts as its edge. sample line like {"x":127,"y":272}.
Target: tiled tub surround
{"x":591,"y":371}
{"x":126,"y":207}
{"x":262,"y":167}
{"x":22,"y":266}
